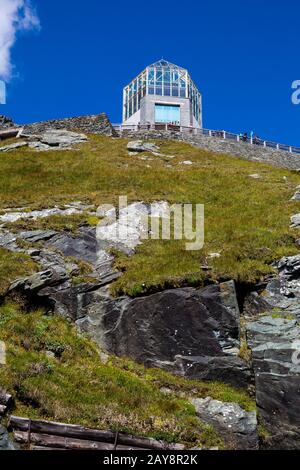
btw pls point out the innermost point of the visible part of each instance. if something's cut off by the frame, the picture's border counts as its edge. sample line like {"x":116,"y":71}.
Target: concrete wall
{"x":148,"y":108}
{"x":134,"y":119}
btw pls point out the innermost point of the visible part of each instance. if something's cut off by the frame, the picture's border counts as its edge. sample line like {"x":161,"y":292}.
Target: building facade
{"x":163,"y":93}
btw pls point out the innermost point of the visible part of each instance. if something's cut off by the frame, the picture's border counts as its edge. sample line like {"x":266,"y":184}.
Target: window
{"x":167,"y":113}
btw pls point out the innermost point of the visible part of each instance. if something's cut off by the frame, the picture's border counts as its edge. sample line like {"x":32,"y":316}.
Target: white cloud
{"x":15,"y":16}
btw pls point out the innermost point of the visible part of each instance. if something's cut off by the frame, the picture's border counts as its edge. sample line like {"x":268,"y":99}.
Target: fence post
{"x":209,"y":133}
{"x":166,"y":127}
{"x":237,"y":138}
{"x":277,"y":146}
{"x":251,"y":140}
{"x":265,"y":143}
{"x":224,"y":135}
{"x":290,"y":149}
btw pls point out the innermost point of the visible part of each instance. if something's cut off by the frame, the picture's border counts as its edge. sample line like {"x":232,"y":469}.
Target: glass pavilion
{"x":162,"y":93}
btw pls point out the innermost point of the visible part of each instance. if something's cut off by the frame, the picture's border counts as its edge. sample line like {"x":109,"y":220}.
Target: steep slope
{"x":48,"y":222}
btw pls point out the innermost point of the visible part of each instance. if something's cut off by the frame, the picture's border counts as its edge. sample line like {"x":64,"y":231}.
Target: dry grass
{"x":12,"y":267}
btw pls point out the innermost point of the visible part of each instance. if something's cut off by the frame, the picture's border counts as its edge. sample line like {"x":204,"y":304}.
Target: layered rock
{"x":194,"y":333}
{"x":274,"y":338}
{"x":277,"y":379}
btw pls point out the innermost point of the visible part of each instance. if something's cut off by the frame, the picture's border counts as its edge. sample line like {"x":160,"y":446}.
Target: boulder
{"x":296,"y":196}
{"x":141,"y":146}
{"x":295,"y":221}
{"x":61,"y":138}
{"x":237,"y":427}
{"x":35,"y":283}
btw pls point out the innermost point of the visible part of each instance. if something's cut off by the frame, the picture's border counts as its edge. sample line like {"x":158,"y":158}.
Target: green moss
{"x":14,"y":266}
{"x":263,"y":433}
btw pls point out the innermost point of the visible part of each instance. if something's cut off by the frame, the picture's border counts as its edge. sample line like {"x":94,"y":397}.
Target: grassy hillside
{"x":246,"y":219}
{"x":56,"y":374}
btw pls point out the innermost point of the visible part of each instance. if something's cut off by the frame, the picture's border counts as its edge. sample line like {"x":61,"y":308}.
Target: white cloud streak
{"x":15,"y":16}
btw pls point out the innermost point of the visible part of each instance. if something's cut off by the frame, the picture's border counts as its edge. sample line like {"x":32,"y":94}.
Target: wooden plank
{"x":81,"y":432}
{"x":44,"y":448}
{"x":47,"y":441}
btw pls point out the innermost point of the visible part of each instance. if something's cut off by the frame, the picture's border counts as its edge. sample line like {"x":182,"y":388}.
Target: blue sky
{"x":243,"y":56}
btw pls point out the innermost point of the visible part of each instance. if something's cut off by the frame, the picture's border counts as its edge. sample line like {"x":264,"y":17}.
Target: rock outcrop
{"x":48,"y":140}
{"x":194,"y":333}
{"x":236,"y":426}
{"x":273,"y":335}
{"x":191,"y":332}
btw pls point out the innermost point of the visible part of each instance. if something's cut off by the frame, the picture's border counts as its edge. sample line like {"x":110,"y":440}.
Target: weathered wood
{"x":60,"y":442}
{"x":81,"y":432}
{"x":44,"y":448}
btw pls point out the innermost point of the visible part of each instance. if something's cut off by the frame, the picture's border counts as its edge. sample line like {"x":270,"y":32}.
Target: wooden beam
{"x":80,"y":432}
{"x":60,"y":442}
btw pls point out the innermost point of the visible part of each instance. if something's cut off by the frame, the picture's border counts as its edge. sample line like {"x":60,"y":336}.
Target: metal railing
{"x":207,"y":132}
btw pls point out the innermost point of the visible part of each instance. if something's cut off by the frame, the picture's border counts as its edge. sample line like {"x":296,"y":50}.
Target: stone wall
{"x":91,"y":124}
{"x":5,"y":122}
{"x":216,"y":144}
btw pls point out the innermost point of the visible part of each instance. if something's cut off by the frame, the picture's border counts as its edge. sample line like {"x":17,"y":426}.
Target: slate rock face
{"x":277,"y":378}
{"x":229,"y":369}
{"x":172,"y":330}
{"x":185,"y":322}
{"x":237,"y":427}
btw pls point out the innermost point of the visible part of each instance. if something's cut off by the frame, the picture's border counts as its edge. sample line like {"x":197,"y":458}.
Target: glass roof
{"x":165,"y":63}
